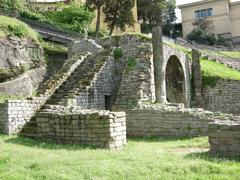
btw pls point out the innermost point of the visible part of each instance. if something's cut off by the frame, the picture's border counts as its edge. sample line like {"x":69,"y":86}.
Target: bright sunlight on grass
{"x":13,"y":27}
{"x":146,"y":158}
{"x":213,"y":71}
{"x":232,"y":54}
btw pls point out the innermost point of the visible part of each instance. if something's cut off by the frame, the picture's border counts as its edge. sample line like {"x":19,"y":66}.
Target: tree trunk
{"x":114,"y":20}
{"x":98,"y":21}
{"x":158,"y":60}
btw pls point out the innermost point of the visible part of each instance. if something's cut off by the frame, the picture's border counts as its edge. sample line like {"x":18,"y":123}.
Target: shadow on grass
{"x":44,"y":144}
{"x":207,"y":156}
{"x":158,"y":139}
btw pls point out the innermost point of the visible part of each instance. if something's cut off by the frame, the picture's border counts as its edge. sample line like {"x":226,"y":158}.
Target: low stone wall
{"x":25,"y":84}
{"x":15,"y":114}
{"x":224,"y":138}
{"x":103,"y":129}
{"x":173,"y":121}
{"x":3,"y":118}
{"x":224,"y":97}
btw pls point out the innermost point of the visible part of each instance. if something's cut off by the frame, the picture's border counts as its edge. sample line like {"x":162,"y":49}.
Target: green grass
{"x":213,"y":71}
{"x":229,"y":54}
{"x":13,"y":27}
{"x":52,"y":47}
{"x":178,"y":47}
{"x":149,"y":158}
{"x":4,"y":97}
{"x":232,"y":54}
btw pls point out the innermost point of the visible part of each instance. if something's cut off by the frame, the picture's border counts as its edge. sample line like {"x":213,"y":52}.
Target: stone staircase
{"x":76,"y":75}
{"x":50,"y":86}
{"x":80,"y":79}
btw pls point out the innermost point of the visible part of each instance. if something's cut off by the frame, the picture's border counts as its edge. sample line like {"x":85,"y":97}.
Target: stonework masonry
{"x":73,"y":125}
{"x":69,"y":106}
{"x":224,"y":96}
{"x":15,"y":114}
{"x":171,"y":121}
{"x":224,"y":138}
{"x":25,"y":84}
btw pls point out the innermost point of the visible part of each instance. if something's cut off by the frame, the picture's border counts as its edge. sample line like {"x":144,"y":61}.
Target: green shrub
{"x":201,"y":37}
{"x":74,"y":17}
{"x":17,"y":30}
{"x":118,"y":53}
{"x":131,"y":63}
{"x":10,"y":6}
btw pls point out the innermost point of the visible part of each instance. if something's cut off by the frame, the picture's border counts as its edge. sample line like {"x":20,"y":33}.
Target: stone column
{"x":158,"y":61}
{"x":197,"y":78}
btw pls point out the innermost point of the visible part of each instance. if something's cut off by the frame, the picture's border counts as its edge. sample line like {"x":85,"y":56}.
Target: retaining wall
{"x":224,"y":138}
{"x":169,"y":123}
{"x":25,"y":84}
{"x":224,"y":97}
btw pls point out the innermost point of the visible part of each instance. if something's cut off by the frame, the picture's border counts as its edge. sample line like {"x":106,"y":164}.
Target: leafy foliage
{"x":74,"y":17}
{"x":10,"y":6}
{"x":118,"y":53}
{"x":204,"y":33}
{"x":146,"y":14}
{"x":118,"y":14}
{"x":131,"y":63}
{"x":96,"y":5}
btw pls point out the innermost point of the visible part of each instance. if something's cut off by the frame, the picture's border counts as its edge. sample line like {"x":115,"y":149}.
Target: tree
{"x":169,"y":17}
{"x":145,"y":14}
{"x":203,"y":32}
{"x":118,"y":14}
{"x":160,"y":87}
{"x":96,"y":4}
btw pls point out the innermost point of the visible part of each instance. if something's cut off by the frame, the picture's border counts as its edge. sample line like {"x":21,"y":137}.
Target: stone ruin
{"x":98,"y":98}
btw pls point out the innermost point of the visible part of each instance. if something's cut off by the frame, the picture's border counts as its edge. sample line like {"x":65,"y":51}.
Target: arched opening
{"x":175,"y":81}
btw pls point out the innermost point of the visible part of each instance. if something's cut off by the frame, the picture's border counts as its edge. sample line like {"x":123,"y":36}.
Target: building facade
{"x":223,"y":13}
{"x":52,"y":5}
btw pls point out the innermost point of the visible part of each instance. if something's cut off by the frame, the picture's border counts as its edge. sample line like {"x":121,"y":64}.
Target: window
{"x":204,"y":13}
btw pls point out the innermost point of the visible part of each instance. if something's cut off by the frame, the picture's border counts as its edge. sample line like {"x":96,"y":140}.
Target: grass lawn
{"x":213,"y":71}
{"x":149,"y":158}
{"x":4,"y":97}
{"x":233,"y":54}
{"x":230,"y":54}
{"x":13,"y":27}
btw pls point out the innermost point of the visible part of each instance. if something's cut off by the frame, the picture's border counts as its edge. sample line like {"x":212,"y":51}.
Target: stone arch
{"x":175,"y":81}
{"x":173,"y":56}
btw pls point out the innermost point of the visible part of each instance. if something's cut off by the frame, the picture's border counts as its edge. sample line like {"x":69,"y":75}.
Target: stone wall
{"x":25,"y":84}
{"x":224,"y":97}
{"x":15,"y":52}
{"x":224,"y":138}
{"x":83,"y":46}
{"x":103,"y":129}
{"x":105,"y":84}
{"x":173,"y":121}
{"x":16,"y":113}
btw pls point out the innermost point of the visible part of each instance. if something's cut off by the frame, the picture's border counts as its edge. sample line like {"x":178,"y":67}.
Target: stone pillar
{"x":158,"y":61}
{"x":197,"y":79}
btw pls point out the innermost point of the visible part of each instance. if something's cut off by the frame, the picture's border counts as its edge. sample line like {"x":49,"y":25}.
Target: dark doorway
{"x":108,"y":102}
{"x":175,"y":83}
